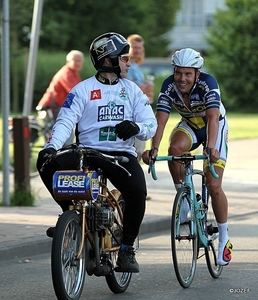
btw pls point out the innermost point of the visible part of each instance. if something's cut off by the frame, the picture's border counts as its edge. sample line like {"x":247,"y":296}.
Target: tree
{"x":73,"y":24}
{"x":233,"y":54}
{"x":70,"y":24}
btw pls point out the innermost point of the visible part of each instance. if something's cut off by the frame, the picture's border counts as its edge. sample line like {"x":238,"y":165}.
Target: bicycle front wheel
{"x":183,"y":240}
{"x":213,"y":242}
{"x":117,"y":282}
{"x":68,"y":270}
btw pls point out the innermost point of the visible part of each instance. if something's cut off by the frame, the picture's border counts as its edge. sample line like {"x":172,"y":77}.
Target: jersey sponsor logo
{"x":195,"y":96}
{"x":107,"y":134}
{"x":68,"y":100}
{"x":123,"y":94}
{"x":203,"y":85}
{"x":111,"y":112}
{"x":95,"y":94}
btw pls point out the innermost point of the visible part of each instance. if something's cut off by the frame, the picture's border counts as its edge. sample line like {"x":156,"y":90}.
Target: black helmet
{"x":110,"y":45}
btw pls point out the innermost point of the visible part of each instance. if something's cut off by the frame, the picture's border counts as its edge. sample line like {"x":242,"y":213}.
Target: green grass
{"x":241,"y":126}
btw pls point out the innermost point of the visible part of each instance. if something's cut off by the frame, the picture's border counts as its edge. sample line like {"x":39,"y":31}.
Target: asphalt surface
{"x":23,"y":229}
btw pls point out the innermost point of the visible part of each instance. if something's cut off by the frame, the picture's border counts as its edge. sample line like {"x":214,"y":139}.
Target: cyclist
{"x":110,"y":111}
{"x":196,"y":97}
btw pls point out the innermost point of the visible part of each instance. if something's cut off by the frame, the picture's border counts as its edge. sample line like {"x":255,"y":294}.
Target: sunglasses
{"x":124,"y":58}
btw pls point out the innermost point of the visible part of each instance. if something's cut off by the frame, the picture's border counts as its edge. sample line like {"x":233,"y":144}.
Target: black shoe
{"x":126,"y":261}
{"x":148,"y":198}
{"x":50,"y":232}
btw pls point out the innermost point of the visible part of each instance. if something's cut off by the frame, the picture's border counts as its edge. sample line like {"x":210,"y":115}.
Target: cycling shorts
{"x":198,"y":137}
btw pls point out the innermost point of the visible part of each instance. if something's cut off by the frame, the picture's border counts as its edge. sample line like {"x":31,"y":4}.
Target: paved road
{"x":156,"y":280}
{"x":23,"y":228}
{"x":23,"y":234}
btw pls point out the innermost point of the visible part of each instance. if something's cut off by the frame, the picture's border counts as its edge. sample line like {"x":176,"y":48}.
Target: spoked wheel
{"x":213,"y":243}
{"x":118,"y":282}
{"x":68,"y":270}
{"x":184,"y":241}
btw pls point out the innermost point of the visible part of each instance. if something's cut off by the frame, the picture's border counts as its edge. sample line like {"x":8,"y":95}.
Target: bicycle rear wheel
{"x":183,"y":241}
{"x":68,"y":271}
{"x":213,"y":242}
{"x":117,"y":282}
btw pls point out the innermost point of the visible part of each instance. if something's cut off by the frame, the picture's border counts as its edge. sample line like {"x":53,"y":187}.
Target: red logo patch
{"x":95,"y":95}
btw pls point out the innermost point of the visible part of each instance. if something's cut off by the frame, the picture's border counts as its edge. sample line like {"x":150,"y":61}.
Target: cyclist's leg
{"x":219,"y":199}
{"x":182,"y":140}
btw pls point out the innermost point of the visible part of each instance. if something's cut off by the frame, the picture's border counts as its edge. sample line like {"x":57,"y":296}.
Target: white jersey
{"x":97,"y":107}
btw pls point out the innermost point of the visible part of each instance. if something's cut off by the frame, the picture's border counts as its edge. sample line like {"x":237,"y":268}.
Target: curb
{"x":26,"y":249}
{"x":41,"y":245}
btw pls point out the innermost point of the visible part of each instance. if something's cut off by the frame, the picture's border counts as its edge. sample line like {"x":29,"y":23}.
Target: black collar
{"x":104,"y":80}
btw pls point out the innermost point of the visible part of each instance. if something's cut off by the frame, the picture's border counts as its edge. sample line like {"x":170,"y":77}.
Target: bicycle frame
{"x":45,"y":122}
{"x":197,"y":207}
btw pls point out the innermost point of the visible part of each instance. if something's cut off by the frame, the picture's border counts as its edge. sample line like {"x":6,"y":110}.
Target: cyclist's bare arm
{"x":162,"y":119}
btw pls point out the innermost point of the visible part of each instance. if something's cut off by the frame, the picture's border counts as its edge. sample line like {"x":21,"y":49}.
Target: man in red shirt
{"x":62,"y":82}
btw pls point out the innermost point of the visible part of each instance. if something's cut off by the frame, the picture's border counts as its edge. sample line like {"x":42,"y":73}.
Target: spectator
{"x":62,"y":82}
{"x":135,"y":73}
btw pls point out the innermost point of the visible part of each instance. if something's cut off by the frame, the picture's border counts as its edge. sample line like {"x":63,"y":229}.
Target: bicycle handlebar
{"x":184,"y":158}
{"x":74,"y":148}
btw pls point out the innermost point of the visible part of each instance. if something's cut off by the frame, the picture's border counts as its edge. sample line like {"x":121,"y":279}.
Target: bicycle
{"x":199,"y":229}
{"x":40,"y":128}
{"x":88,"y":236}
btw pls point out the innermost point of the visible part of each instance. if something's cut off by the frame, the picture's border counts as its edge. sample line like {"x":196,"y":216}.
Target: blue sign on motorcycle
{"x":75,"y":185}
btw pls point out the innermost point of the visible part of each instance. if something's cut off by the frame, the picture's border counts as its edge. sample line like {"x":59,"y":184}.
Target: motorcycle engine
{"x":99,"y":218}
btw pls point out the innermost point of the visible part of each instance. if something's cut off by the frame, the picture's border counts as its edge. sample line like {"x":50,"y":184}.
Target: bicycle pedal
{"x":103,"y":270}
{"x":212,"y":229}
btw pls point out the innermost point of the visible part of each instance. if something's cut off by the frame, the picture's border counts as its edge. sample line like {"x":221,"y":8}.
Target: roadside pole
{"x":5,"y":98}
{"x":21,"y":136}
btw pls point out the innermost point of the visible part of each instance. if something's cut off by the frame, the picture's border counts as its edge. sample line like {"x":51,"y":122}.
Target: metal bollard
{"x":21,"y":139}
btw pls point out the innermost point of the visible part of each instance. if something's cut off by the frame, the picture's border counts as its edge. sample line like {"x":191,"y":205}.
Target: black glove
{"x":126,"y":129}
{"x":43,"y":155}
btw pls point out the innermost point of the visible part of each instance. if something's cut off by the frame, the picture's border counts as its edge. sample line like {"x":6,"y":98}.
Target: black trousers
{"x":132,"y":188}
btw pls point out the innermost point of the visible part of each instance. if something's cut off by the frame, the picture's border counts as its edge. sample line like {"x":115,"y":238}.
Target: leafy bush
{"x":22,"y":198}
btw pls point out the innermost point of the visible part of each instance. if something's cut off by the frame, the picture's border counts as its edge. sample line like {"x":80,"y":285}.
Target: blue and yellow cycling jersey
{"x":204,"y":95}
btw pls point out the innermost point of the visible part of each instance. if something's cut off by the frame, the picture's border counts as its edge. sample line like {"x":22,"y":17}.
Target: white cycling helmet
{"x":187,"y":58}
